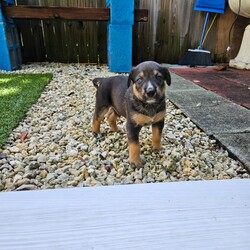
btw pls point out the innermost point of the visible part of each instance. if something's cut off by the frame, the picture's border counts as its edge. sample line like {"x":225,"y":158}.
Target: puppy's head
{"x":149,"y":80}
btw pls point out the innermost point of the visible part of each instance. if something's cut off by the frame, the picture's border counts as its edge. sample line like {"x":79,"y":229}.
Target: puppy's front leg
{"x":133,"y":144}
{"x":156,"y":135}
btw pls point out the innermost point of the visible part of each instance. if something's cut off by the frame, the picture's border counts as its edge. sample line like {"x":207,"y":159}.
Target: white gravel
{"x":61,"y":151}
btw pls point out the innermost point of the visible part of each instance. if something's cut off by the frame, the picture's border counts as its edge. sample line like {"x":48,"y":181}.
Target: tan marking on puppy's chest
{"x":142,"y":120}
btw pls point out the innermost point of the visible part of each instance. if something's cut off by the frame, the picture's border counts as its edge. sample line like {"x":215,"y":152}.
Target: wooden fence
{"x":172,"y":28}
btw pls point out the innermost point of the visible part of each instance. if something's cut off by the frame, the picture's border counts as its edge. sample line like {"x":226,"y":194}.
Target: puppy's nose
{"x":150,"y":90}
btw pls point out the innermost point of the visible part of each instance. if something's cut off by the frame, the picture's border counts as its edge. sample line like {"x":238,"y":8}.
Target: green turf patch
{"x":17,"y":93}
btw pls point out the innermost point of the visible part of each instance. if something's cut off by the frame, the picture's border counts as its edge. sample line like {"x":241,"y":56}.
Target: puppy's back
{"x":113,"y":80}
{"x":112,"y":91}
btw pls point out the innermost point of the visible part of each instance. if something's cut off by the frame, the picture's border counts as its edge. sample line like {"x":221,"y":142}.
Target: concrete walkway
{"x":226,"y":121}
{"x":186,"y":215}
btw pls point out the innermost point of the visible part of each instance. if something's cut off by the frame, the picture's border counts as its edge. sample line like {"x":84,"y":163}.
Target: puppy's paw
{"x":117,"y":129}
{"x":137,"y":164}
{"x":158,"y":150}
{"x":97,"y":135}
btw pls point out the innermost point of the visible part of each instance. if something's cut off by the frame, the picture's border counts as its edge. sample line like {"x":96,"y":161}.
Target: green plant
{"x":17,"y":93}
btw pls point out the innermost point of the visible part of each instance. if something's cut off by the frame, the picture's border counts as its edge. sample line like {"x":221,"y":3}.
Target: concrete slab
{"x":220,"y":119}
{"x":226,"y":121}
{"x":182,"y":84}
{"x":230,"y":83}
{"x":187,"y":215}
{"x":194,"y":97}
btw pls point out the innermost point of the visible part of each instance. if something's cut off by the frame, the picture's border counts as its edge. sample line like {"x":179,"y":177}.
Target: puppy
{"x":140,"y":98}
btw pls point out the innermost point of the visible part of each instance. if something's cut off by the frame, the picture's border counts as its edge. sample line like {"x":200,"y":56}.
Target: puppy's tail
{"x":97,"y":82}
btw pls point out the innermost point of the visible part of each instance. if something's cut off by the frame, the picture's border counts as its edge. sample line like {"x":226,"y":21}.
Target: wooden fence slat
{"x":101,"y":37}
{"x":67,"y":13}
{"x":91,"y":37}
{"x":31,"y":35}
{"x":102,"y":43}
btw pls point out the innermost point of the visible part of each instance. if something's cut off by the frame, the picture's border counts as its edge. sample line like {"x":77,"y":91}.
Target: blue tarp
{"x":215,"y":6}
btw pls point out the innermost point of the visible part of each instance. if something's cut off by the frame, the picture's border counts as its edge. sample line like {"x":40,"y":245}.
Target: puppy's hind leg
{"x":112,"y":118}
{"x":98,"y":117}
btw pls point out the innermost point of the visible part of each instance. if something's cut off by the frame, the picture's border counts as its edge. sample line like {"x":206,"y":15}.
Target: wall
{"x":173,"y":27}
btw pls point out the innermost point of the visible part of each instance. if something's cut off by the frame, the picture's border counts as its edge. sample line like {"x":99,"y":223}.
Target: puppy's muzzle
{"x":150,"y":90}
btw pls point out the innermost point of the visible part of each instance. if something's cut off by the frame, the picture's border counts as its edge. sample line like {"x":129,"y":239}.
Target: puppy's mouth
{"x":150,"y":100}
{"x":150,"y":95}
{"x":153,"y":98}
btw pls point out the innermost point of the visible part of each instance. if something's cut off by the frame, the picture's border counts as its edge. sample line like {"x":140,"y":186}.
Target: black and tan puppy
{"x":140,"y":98}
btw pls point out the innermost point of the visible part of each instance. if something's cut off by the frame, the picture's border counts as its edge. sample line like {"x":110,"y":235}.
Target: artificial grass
{"x":17,"y":93}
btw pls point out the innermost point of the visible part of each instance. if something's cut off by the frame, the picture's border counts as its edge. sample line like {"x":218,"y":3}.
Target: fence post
{"x":120,"y":35}
{"x":10,"y":52}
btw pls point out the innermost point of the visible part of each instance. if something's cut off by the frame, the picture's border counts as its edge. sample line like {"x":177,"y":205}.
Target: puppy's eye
{"x":139,"y":80}
{"x":159,"y":77}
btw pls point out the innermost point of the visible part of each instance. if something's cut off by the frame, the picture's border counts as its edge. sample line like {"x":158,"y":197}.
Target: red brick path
{"x":231,"y":83}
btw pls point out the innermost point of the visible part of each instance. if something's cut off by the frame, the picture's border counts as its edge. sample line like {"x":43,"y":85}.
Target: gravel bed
{"x":61,"y":151}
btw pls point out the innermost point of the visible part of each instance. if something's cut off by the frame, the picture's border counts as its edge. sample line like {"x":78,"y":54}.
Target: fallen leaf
{"x":221,"y":67}
{"x":107,"y":164}
{"x":109,"y":168}
{"x":23,"y":136}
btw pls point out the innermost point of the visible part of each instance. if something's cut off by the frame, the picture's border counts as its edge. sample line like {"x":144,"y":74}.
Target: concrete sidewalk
{"x":228,"y":122}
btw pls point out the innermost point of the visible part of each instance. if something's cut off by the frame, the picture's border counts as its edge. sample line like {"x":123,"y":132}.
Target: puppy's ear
{"x":131,"y":77}
{"x":164,"y":71}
